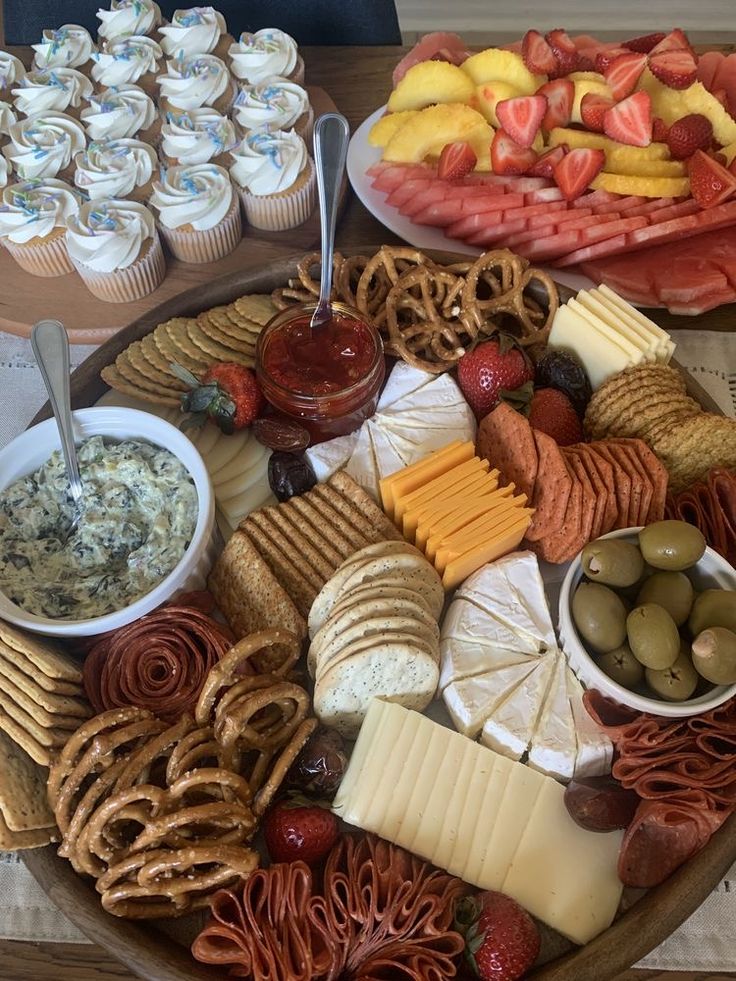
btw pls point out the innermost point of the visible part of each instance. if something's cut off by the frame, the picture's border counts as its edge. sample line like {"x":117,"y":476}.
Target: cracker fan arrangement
{"x":358,"y":734}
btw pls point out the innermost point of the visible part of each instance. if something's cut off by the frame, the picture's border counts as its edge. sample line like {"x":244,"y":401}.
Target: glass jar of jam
{"x":327,"y":379}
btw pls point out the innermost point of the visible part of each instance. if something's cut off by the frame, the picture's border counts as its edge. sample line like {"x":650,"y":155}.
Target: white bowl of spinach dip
{"x":146,"y":531}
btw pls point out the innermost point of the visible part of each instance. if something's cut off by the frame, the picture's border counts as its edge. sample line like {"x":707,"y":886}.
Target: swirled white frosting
{"x":129,"y":17}
{"x":118,"y":113}
{"x":193,"y":31}
{"x":32,"y":209}
{"x":256,"y":57}
{"x":42,"y":145}
{"x":4,"y":171}
{"x":194,"y":82}
{"x":266,"y":163}
{"x":109,"y":235}
{"x":113,"y":168}
{"x":7,"y":118}
{"x":123,"y":60}
{"x":200,"y":196}
{"x":51,"y":89}
{"x":274,"y":103}
{"x":11,"y":71}
{"x":66,"y":47}
{"x":197,"y":136}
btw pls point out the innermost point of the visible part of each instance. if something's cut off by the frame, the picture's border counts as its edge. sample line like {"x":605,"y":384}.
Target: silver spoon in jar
{"x":331,"y":136}
{"x":51,"y":348}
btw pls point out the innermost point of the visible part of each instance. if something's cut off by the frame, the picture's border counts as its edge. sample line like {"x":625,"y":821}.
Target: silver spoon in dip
{"x":51,"y":348}
{"x":331,"y":137}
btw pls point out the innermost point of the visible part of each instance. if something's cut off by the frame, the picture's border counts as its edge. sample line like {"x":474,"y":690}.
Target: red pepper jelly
{"x":328,"y":378}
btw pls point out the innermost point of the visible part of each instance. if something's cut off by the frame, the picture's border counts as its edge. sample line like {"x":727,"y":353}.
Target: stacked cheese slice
{"x":504,"y":679}
{"x":492,"y":822}
{"x":607,"y":334}
{"x":418,"y":412}
{"x":451,"y":506}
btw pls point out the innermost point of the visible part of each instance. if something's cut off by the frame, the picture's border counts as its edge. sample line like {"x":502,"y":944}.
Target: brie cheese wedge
{"x":554,"y":742}
{"x":595,"y":749}
{"x":329,"y":457}
{"x":510,"y":728}
{"x":472,"y":700}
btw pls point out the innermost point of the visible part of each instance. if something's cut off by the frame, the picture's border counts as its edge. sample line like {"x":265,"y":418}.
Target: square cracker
{"x":606,"y":475}
{"x":298,"y":531}
{"x":48,"y":658}
{"x":561,"y":544}
{"x":301,"y":511}
{"x":647,"y":488}
{"x":10,"y":655}
{"x":382,"y":527}
{"x":551,"y":489}
{"x":598,"y":487}
{"x":48,"y":718}
{"x":37,"y":752}
{"x":51,"y":736}
{"x":621,"y":482}
{"x":346,"y":535}
{"x":51,"y":701}
{"x":284,"y":562}
{"x":23,"y":802}
{"x":506,"y":440}
{"x":16,"y":841}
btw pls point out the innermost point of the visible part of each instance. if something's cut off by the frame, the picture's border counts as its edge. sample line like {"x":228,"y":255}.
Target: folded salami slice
{"x":710,"y":505}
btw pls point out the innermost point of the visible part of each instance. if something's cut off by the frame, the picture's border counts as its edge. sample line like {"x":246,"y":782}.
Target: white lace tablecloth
{"x":703,"y":943}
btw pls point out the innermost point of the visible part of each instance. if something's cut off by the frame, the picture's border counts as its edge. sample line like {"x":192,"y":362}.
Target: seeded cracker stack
{"x":280,"y":557}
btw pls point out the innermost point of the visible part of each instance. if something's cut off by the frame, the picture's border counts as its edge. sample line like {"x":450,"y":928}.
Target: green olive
{"x":672,"y":590}
{"x":713,"y":608}
{"x":675,"y":683}
{"x":600,"y":616}
{"x":653,"y":636}
{"x":612,"y":562}
{"x":621,"y":665}
{"x":714,"y":655}
{"x":671,"y":545}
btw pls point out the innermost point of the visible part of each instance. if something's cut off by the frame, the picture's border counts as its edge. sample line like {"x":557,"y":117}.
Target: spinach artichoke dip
{"x":138,"y":516}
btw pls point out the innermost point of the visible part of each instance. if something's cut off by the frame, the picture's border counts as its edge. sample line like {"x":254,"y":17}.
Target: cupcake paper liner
{"x":123,"y":285}
{"x":287,"y":209}
{"x":298,"y":74}
{"x":47,"y":257}
{"x":208,"y":245}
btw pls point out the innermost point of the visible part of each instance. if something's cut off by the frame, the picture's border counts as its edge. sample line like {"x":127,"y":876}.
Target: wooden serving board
{"x":149,"y":951}
{"x":26,"y":299}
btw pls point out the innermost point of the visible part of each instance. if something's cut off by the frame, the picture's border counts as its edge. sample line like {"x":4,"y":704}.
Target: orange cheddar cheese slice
{"x":458,"y":569}
{"x":461,"y":517}
{"x":476,"y":486}
{"x":405,"y":481}
{"x":481,"y":529}
{"x":443,"y":484}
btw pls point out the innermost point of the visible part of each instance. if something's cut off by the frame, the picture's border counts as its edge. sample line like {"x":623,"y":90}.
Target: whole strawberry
{"x":228,"y":393}
{"x":490,"y":367}
{"x":501,"y":939}
{"x":297,"y":828}
{"x":552,"y":412}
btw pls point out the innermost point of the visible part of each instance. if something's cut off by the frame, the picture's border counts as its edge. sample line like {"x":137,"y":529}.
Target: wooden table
{"x":357,"y":91}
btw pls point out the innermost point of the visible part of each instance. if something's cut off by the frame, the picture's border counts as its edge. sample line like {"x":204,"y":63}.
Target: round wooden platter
{"x":27,"y":299}
{"x":149,"y":950}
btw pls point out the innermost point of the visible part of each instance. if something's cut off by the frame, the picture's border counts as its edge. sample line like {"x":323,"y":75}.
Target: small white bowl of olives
{"x":648,"y":617}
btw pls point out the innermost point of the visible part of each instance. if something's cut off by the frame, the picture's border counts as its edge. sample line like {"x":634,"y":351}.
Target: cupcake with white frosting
{"x":275,"y":103}
{"x":11,"y":72}
{"x":5,"y":172}
{"x":196,"y":81}
{"x":121,"y":113}
{"x":44,"y":145}
{"x":276,"y":179}
{"x":256,"y":57}
{"x":116,"y":169}
{"x":69,"y":46}
{"x":198,"y":136}
{"x":7,"y":118}
{"x":52,"y":89}
{"x":128,"y":61}
{"x":198,"y":212}
{"x":126,"y":17}
{"x":198,"y":30}
{"x":115,"y":248}
{"x":33,"y":216}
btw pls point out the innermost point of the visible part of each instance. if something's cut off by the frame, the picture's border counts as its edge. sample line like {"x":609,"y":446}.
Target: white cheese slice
{"x":403,"y":780}
{"x":346,"y":798}
{"x":612,"y":334}
{"x":455,"y":805}
{"x":554,"y":745}
{"x":332,"y":455}
{"x":562,"y":874}
{"x":595,"y":750}
{"x":606,"y":294}
{"x":226,"y":450}
{"x":362,"y":464}
{"x":252,"y":455}
{"x":600,"y":357}
{"x":510,"y":727}
{"x":426,"y":838}
{"x":241,"y":480}
{"x":466,"y":842}
{"x":461,"y":658}
{"x":472,"y":700}
{"x":403,"y":380}
{"x":466,"y":621}
{"x":435,"y":748}
{"x":258,"y":495}
{"x":388,"y":459}
{"x":618,"y":321}
{"x":406,"y":740}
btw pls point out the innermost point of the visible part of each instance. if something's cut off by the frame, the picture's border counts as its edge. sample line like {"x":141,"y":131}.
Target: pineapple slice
{"x":584,"y":86}
{"x":645,"y":187}
{"x":582,"y":138}
{"x":620,"y":161}
{"x":428,"y":83}
{"x":382,"y":131}
{"x":488,"y":95}
{"x":499,"y":65}
{"x":672,"y":104}
{"x":428,"y":131}
{"x":730,"y":153}
{"x":587,"y":77}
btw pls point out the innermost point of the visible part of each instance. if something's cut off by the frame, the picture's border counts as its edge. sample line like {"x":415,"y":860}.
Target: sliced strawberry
{"x":605,"y":58}
{"x":676,"y":40}
{"x":688,"y":134}
{"x":508,"y":157}
{"x":630,"y":121}
{"x":521,"y":117}
{"x":623,"y":73}
{"x":545,"y":166}
{"x":710,"y":182}
{"x":677,"y":69}
{"x":564,"y":50}
{"x":660,"y":130}
{"x":456,"y":160}
{"x":592,"y":110}
{"x":577,"y":169}
{"x":645,"y":43}
{"x":585,"y":64}
{"x":538,"y":56}
{"x":560,"y":95}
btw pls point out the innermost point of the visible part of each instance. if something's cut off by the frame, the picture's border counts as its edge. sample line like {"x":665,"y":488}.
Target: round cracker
{"x":144,"y":366}
{"x":218,"y":352}
{"x":151,"y":353}
{"x":375,"y":630}
{"x":256,"y":307}
{"x":208,"y":327}
{"x":167,"y":337}
{"x":112,"y":377}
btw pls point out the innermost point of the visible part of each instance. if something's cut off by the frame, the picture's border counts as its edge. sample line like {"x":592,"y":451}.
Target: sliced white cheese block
{"x":252,"y":456}
{"x":554,"y":744}
{"x":594,"y":750}
{"x":403,"y":380}
{"x":426,"y":839}
{"x":405,"y":768}
{"x":472,"y":700}
{"x":205,"y":437}
{"x":373,"y":770}
{"x":258,"y":495}
{"x":466,"y":842}
{"x":225,"y":451}
{"x":509,"y":729}
{"x":607,"y":294}
{"x":466,"y":621}
{"x":460,"y":658}
{"x":407,"y":740}
{"x":329,"y":457}
{"x":600,"y":357}
{"x":618,"y":321}
{"x":435,"y":748}
{"x":615,"y":333}
{"x":362,"y":752}
{"x":455,"y":806}
{"x":362,"y":464}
